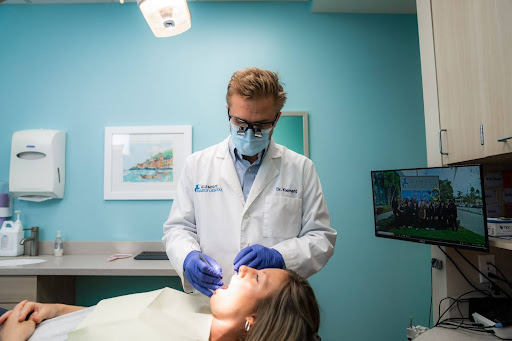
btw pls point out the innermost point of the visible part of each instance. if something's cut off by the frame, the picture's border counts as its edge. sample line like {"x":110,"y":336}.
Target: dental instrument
{"x":119,"y":256}
{"x":204,"y":259}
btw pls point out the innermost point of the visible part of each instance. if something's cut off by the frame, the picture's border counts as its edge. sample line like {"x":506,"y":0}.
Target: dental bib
{"x":159,"y":315}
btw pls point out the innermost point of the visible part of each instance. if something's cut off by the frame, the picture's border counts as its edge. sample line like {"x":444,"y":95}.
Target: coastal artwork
{"x":145,"y":162}
{"x":148,"y":162}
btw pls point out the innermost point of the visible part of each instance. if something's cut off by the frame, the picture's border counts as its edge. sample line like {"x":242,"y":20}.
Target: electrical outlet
{"x":483,"y":266}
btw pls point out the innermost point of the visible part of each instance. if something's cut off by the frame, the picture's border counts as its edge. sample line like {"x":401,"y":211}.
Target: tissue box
{"x":499,"y":227}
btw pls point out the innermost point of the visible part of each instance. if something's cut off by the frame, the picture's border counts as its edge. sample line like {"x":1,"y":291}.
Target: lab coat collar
{"x":269,"y":169}
{"x":228,"y":171}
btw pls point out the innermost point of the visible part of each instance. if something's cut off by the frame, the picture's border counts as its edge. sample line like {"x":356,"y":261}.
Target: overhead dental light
{"x":166,"y":17}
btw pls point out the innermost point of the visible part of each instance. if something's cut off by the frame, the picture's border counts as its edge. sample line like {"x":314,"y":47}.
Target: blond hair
{"x":290,"y":314}
{"x":255,"y":83}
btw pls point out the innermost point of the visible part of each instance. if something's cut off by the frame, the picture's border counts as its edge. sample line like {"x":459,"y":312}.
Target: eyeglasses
{"x":257,"y":127}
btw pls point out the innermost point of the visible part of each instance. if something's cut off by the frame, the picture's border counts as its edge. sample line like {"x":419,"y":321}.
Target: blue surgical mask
{"x":249,"y":144}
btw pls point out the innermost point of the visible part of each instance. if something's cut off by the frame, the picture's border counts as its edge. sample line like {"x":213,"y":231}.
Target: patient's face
{"x":246,"y":289}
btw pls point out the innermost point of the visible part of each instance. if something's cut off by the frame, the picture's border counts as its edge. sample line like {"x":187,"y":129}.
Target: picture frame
{"x":144,"y":162}
{"x":292,"y":131}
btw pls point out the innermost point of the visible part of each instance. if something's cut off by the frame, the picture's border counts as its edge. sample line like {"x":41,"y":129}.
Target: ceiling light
{"x":166,"y":17}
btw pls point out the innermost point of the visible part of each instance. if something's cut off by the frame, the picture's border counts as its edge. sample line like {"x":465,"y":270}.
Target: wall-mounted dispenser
{"x":37,"y":170}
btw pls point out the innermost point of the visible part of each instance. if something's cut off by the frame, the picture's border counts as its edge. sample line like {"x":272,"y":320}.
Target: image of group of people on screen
{"x":430,"y":215}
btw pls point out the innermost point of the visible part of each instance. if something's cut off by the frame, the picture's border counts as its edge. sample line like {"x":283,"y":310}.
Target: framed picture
{"x":144,"y":163}
{"x":292,"y":131}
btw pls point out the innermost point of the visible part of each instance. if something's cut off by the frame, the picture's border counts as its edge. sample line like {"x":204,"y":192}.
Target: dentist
{"x":248,"y":201}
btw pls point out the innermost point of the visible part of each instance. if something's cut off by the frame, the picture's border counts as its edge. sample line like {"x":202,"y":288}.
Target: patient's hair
{"x":290,"y":314}
{"x":255,"y":83}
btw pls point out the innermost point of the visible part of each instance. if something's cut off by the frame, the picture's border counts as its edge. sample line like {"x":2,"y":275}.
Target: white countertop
{"x":88,"y":265}
{"x":443,"y":334}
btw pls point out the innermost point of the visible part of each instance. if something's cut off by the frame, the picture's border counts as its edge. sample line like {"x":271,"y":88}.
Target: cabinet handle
{"x":441,"y":142}
{"x":505,"y":139}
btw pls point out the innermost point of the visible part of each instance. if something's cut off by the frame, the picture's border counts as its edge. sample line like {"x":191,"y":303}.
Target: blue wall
{"x":80,"y":68}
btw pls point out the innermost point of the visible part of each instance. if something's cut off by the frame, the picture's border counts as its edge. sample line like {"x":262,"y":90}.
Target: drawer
{"x":14,"y":289}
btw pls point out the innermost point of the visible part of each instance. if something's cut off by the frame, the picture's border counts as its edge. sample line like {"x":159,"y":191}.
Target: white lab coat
{"x":285,"y":210}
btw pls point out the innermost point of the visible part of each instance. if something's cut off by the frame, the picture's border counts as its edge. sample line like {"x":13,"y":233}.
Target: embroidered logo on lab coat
{"x":287,"y":190}
{"x":207,"y":188}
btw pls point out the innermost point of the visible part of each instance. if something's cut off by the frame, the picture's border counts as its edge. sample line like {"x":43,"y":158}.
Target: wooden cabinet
{"x":44,"y":289}
{"x":466,"y":65}
{"x":16,"y":289}
{"x":495,"y":23}
{"x":471,"y":74}
{"x":460,"y":111}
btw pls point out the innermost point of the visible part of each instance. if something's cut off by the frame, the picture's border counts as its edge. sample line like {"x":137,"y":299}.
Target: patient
{"x":268,"y":304}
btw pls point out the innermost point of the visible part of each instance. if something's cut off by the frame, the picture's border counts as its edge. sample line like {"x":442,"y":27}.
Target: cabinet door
{"x":18,"y":288}
{"x":495,"y":51}
{"x":458,"y":78}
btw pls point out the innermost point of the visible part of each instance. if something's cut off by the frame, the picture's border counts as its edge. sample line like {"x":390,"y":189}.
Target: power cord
{"x":493,"y":276}
{"x":447,"y":323}
{"x":456,"y":301}
{"x":460,"y":271}
{"x":459,"y":322}
{"x":485,"y":276}
{"x":502,"y":278}
{"x":430,"y":310}
{"x":453,"y":322}
{"x":472,"y":327}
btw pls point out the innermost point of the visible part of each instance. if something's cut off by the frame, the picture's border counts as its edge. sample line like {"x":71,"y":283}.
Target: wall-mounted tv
{"x":440,"y":206}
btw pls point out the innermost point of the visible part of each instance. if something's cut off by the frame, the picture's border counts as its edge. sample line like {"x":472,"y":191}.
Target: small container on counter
{"x":58,"y":247}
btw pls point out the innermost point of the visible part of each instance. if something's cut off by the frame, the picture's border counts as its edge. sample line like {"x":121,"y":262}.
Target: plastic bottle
{"x":57,"y":248}
{"x":11,"y":235}
{"x":18,"y":226}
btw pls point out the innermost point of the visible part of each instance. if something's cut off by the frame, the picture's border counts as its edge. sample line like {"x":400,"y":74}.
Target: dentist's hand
{"x":258,"y":257}
{"x":202,"y":276}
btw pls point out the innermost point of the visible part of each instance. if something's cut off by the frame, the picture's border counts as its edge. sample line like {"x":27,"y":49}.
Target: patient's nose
{"x":244,"y":270}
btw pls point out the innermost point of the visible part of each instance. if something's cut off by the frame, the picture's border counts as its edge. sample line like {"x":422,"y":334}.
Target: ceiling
{"x":318,"y":6}
{"x":73,"y":2}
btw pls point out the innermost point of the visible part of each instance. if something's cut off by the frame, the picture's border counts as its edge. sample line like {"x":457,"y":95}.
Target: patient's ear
{"x":251,"y":319}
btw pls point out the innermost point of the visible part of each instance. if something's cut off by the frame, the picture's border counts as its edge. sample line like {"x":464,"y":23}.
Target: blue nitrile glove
{"x":201,"y":275}
{"x":258,"y":257}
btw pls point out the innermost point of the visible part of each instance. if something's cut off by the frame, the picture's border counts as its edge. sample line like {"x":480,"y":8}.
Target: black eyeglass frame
{"x":257,"y":131}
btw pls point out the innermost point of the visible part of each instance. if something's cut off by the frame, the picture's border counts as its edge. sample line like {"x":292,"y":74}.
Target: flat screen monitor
{"x":440,"y":206}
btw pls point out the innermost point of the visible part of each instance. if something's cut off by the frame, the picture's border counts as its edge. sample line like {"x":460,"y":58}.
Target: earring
{"x":247,"y":325}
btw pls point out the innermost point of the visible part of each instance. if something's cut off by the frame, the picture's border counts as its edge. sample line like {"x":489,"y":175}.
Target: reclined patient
{"x":268,"y":304}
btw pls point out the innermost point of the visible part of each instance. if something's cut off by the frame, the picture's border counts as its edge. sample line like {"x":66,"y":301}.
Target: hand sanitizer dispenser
{"x":37,"y":164}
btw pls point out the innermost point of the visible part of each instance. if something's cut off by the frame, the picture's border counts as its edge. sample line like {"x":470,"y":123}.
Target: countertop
{"x":443,"y":334}
{"x":90,"y":259}
{"x":88,"y":265}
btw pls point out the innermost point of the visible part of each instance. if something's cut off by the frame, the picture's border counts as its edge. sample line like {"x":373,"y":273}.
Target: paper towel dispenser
{"x":37,"y":171}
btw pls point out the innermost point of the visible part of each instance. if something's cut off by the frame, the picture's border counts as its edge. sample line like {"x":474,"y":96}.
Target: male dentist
{"x":248,"y":201}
